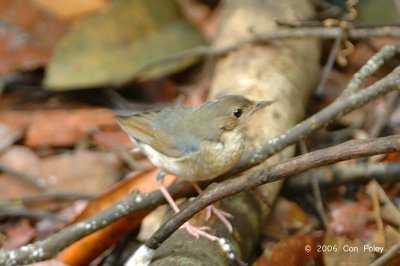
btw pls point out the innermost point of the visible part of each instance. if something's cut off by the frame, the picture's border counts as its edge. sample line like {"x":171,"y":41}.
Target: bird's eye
{"x":237,"y":113}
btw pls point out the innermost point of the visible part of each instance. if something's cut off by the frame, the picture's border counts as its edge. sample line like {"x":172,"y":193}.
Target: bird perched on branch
{"x":193,"y":143}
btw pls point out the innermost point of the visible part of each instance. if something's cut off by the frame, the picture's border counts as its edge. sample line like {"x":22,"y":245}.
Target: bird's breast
{"x":211,"y":160}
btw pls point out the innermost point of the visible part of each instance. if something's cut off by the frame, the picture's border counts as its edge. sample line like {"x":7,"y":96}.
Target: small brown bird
{"x":193,"y":143}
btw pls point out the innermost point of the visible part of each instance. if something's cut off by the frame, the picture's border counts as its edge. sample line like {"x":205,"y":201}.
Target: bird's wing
{"x":141,"y":128}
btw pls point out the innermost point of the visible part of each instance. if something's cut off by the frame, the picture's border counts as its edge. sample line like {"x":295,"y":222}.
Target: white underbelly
{"x":213,"y":160}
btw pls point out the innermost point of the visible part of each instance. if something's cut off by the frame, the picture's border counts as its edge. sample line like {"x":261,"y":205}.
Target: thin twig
{"x":382,"y":120}
{"x":345,"y":151}
{"x":329,"y":64}
{"x":37,"y":182}
{"x":319,"y":204}
{"x":47,"y":196}
{"x":118,"y":147}
{"x":372,"y":65}
{"x":27,"y":213}
{"x":317,"y":198}
{"x":261,"y":38}
{"x":337,"y":175}
{"x":393,"y":251}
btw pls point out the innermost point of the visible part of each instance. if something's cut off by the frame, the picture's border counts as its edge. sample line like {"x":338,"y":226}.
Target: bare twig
{"x":260,"y":38}
{"x":47,"y":196}
{"x":37,"y":182}
{"x":382,"y":120}
{"x":337,"y":175}
{"x":345,"y":151}
{"x":27,"y":213}
{"x":118,"y":147}
{"x":317,"y":198}
{"x":373,"y":64}
{"x":329,"y":64}
{"x":319,"y":205}
{"x":393,"y":251}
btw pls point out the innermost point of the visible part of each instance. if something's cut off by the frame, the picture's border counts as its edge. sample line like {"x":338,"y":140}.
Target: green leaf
{"x":111,"y":47}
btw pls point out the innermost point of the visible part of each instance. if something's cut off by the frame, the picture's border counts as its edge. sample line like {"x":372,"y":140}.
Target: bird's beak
{"x":260,"y":105}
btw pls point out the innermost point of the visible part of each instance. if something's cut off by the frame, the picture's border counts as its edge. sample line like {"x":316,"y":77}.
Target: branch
{"x":48,"y":248}
{"x":337,"y":175}
{"x":373,"y":64}
{"x":262,"y":38}
{"x":345,"y":151}
{"x":329,"y":63}
{"x":30,"y":214}
{"x":393,"y":251}
{"x":32,"y":180}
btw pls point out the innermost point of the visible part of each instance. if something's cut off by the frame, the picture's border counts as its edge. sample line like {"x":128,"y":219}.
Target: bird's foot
{"x":192,"y":230}
{"x":198,"y":231}
{"x":223,"y":216}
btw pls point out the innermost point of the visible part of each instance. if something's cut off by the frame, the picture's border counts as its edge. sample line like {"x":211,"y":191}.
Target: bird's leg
{"x":221,"y":215}
{"x":166,"y":194}
{"x":192,"y":230}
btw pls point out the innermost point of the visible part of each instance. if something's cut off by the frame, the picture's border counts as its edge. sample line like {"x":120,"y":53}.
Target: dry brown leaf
{"x":389,"y":212}
{"x":27,"y":41}
{"x":342,"y":251}
{"x":58,"y":128}
{"x":299,"y":250}
{"x":288,"y":218}
{"x":70,"y":10}
{"x":351,"y":219}
{"x":19,"y":53}
{"x":83,"y":171}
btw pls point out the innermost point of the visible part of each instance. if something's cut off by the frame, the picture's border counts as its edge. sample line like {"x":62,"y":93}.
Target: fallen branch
{"x":262,"y":38}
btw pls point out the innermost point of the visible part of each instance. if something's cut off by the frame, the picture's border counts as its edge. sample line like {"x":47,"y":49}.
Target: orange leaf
{"x":96,"y":243}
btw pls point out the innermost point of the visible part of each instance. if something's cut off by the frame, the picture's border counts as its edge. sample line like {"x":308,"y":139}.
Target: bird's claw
{"x":221,"y":215}
{"x":199,"y":231}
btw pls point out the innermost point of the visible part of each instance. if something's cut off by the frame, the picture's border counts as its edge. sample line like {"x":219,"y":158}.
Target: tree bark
{"x":284,"y":71}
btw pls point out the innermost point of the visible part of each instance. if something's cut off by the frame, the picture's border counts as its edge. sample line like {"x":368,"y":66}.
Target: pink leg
{"x":192,"y":230}
{"x":221,"y":215}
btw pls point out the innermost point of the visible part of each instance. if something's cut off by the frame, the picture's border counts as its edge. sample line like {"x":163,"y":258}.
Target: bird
{"x":195,"y":143}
